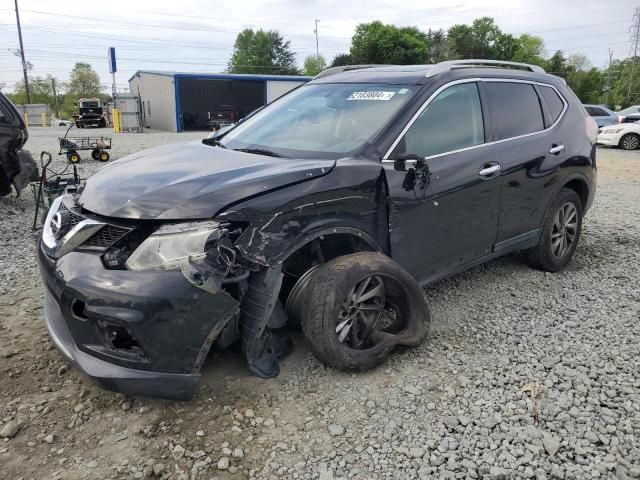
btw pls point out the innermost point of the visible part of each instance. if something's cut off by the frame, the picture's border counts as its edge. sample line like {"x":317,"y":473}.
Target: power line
{"x":208,"y":29}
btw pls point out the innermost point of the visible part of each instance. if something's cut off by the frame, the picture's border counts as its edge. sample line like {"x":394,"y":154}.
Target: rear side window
{"x":556,"y":105}
{"x":515,"y":109}
{"x":595,"y":112}
{"x":452,"y":121}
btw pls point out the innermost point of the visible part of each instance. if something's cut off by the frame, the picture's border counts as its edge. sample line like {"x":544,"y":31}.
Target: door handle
{"x":489,"y":170}
{"x":556,"y":149}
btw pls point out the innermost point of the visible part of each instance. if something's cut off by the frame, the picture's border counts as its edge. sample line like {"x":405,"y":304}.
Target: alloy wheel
{"x":565,"y":229}
{"x":362,"y":312}
{"x":630,"y":142}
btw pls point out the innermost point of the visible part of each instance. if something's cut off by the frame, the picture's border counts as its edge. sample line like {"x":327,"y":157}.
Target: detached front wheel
{"x":359,"y":307}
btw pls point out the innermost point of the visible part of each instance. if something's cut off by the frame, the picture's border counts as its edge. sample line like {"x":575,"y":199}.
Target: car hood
{"x":620,"y":126}
{"x":189,"y":180}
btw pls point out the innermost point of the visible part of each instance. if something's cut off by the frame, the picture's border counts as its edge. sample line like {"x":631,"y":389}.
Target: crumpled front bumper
{"x":172,"y":322}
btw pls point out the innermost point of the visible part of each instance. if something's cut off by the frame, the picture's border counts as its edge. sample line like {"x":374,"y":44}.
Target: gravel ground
{"x":526,"y":375}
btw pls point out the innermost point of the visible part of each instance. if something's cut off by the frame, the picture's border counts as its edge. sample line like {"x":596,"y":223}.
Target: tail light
{"x":591,"y":129}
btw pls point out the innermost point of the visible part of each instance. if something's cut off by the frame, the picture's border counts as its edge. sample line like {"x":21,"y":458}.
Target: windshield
{"x":320,"y":121}
{"x":629,"y":110}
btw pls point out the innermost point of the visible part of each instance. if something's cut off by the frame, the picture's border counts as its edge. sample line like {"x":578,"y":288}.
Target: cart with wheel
{"x":70,"y":146}
{"x":51,"y":185}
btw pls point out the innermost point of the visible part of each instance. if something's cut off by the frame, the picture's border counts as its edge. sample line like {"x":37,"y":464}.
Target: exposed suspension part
{"x":262,"y":346}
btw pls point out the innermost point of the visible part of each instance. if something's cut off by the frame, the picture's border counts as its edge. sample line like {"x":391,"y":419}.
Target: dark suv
{"x":326,"y":210}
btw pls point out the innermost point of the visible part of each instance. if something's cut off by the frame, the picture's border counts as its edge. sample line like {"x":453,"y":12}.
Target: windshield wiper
{"x":213,"y":142}
{"x":259,"y":151}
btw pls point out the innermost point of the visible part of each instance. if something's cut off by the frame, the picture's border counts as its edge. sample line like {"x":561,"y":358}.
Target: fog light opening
{"x":78,"y":309}
{"x":119,"y":338}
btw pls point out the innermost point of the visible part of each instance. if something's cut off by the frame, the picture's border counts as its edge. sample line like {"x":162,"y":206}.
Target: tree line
{"x":267,"y":52}
{"x":83,"y":82}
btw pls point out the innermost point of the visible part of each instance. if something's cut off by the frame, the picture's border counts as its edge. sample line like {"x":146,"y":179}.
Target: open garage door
{"x":199,"y":97}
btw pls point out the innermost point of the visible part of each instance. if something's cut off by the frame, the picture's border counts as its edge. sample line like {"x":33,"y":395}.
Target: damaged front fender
{"x":351,"y":199}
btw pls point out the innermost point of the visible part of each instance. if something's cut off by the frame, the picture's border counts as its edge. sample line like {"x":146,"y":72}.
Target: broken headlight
{"x":172,"y":244}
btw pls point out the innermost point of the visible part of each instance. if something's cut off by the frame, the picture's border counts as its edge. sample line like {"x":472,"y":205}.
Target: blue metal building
{"x":177,"y":101}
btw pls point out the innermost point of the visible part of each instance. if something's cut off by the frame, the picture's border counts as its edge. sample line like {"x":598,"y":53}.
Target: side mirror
{"x":410,"y":160}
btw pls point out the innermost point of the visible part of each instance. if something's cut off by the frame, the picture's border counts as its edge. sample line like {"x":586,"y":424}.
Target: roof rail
{"x":346,"y":68}
{"x":455,"y":64}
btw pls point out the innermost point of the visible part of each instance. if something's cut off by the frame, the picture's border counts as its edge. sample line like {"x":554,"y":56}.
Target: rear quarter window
{"x":514,"y":108}
{"x":555,"y":104}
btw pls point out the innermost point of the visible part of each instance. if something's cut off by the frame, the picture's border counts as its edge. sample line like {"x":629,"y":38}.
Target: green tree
{"x":438,"y":48}
{"x":84,"y":82}
{"x":557,"y":64}
{"x":529,"y":49}
{"x":587,"y":85}
{"x":314,"y":65}
{"x":376,"y":42}
{"x":341,"y":60}
{"x":624,"y":87}
{"x":40,"y":89}
{"x":264,"y":52}
{"x":482,"y":39}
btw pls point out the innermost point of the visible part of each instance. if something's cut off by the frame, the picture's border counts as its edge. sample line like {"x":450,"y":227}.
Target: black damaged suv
{"x":326,"y":210}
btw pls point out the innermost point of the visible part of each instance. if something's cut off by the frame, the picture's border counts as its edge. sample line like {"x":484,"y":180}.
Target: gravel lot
{"x":526,"y":375}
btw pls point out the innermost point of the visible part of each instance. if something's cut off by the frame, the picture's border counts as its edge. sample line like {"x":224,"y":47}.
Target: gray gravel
{"x":526,"y":375}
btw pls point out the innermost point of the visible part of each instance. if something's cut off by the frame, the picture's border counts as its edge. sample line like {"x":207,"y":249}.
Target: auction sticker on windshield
{"x":373,"y":95}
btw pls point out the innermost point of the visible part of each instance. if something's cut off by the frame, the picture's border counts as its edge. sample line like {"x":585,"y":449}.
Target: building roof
{"x":222,"y":76}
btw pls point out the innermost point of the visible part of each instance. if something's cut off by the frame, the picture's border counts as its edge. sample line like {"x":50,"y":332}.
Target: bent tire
{"x":359,"y":307}
{"x":560,"y":233}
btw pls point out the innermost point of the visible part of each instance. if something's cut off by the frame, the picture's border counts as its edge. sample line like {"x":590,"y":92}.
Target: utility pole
{"x":55,"y":96}
{"x":24,"y":62}
{"x":635,"y":40}
{"x":606,"y":97}
{"x":315,"y":30}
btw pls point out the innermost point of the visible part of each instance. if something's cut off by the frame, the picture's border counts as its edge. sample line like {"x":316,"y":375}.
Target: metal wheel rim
{"x":361,"y":311}
{"x":630,"y":142}
{"x":565,"y":230}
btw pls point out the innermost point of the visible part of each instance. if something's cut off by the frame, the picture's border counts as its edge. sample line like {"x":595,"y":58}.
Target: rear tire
{"x":95,"y":153}
{"x":630,"y":141}
{"x":560,"y":233}
{"x":397,"y":314}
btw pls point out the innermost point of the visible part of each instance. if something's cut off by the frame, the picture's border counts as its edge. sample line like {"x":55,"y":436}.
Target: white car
{"x":623,"y":135}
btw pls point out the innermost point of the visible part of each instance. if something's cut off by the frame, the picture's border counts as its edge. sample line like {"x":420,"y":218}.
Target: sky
{"x":198,"y":35}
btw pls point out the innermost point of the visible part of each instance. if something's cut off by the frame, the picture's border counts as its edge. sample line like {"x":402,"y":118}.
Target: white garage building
{"x":176,"y":101}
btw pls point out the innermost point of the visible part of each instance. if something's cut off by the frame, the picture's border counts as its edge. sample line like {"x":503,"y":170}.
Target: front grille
{"x":74,"y":218}
{"x":103,"y":238}
{"x":106,"y":236}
